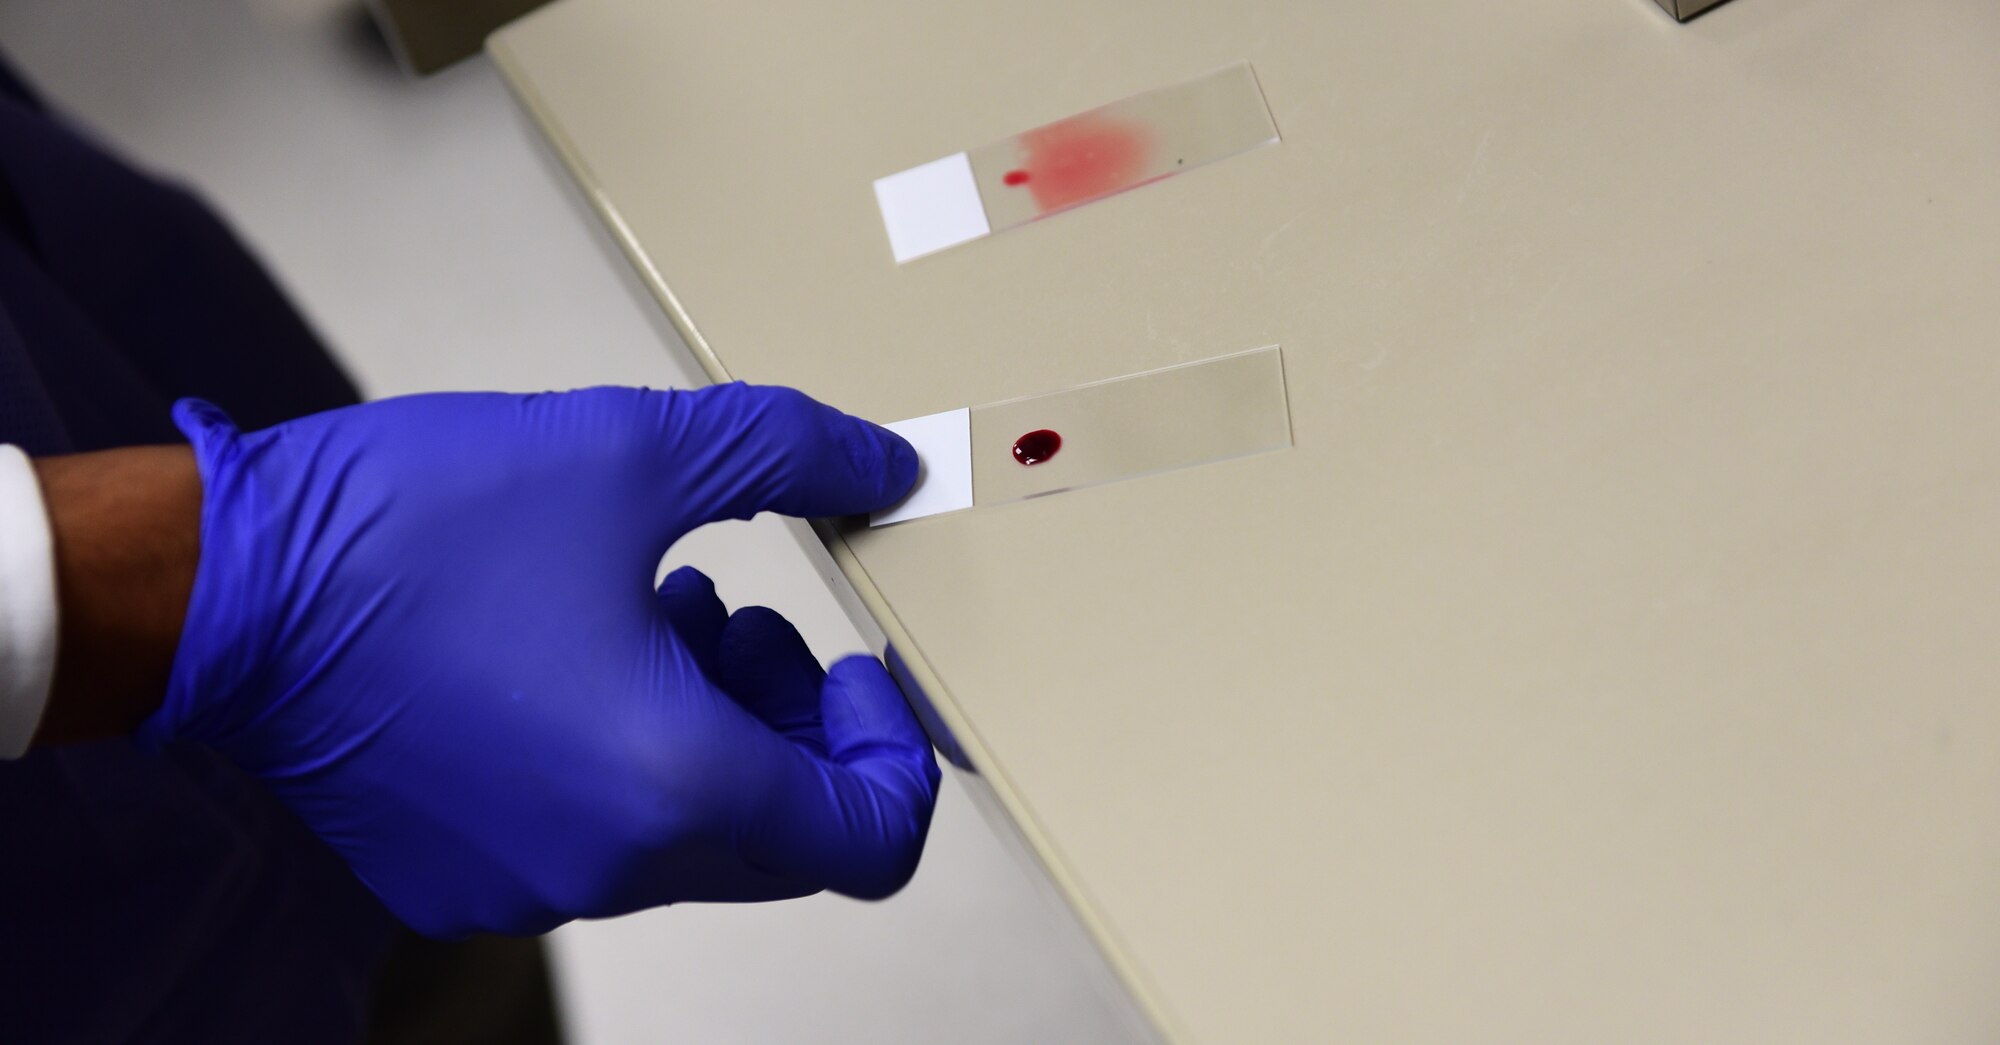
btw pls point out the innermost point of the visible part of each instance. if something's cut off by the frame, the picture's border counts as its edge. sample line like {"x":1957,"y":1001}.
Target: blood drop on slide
{"x":1037,"y":446}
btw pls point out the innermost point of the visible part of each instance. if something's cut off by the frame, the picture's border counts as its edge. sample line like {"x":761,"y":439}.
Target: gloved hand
{"x":429,"y":625}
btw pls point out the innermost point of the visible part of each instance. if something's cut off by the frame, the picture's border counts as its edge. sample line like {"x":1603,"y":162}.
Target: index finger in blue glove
{"x":736,"y":450}
{"x":854,"y":820}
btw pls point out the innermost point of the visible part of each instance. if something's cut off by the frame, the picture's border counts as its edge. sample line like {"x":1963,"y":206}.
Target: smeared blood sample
{"x":1081,"y":158}
{"x":1037,"y":446}
{"x":1015,"y":177}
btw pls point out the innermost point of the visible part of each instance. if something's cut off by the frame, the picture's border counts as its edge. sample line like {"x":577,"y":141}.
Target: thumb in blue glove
{"x":428,"y":625}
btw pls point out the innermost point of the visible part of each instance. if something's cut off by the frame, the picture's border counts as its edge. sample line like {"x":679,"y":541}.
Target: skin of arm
{"x":127,"y":533}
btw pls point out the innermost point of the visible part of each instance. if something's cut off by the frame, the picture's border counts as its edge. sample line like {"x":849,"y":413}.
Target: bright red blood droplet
{"x":1015,"y":178}
{"x":1037,"y":446}
{"x":1082,"y":158}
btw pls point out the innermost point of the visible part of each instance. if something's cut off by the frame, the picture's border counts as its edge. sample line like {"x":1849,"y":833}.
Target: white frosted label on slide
{"x":944,"y":472}
{"x":930,"y":207}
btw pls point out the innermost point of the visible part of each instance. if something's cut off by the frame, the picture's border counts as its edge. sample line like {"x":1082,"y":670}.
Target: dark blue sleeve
{"x":125,"y":293}
{"x":148,"y":898}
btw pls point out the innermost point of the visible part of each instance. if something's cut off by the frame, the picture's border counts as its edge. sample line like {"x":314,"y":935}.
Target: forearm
{"x":127,"y":534}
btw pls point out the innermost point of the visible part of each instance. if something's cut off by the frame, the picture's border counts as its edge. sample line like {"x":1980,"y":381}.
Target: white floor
{"x":418,"y":228}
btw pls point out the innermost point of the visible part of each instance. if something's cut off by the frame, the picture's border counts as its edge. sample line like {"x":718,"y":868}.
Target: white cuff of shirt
{"x":27,"y":603}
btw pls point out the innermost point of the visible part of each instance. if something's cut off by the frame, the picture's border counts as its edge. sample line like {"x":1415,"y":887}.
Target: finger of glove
{"x":854,"y":821}
{"x":766,"y":666}
{"x":696,"y":615}
{"x":736,"y":450}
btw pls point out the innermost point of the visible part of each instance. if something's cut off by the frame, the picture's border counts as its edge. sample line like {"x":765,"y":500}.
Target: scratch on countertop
{"x":1476,"y":167}
{"x":1274,"y":234}
{"x":1548,"y":295}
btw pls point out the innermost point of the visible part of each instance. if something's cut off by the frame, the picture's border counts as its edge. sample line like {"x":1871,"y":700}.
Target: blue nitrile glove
{"x":429,"y":625}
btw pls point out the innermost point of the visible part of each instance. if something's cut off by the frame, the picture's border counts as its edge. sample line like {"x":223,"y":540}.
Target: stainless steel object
{"x":1686,"y":9}
{"x":428,"y":35}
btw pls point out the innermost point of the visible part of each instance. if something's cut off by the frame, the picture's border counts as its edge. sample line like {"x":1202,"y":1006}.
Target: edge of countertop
{"x":1041,"y":847}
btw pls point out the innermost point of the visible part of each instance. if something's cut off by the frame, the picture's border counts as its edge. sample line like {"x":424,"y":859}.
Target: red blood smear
{"x":1082,"y":158}
{"x":1037,"y":446}
{"x":1015,"y":178}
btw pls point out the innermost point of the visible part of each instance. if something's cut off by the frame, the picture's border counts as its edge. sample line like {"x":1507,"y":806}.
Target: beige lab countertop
{"x":1612,"y":656}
